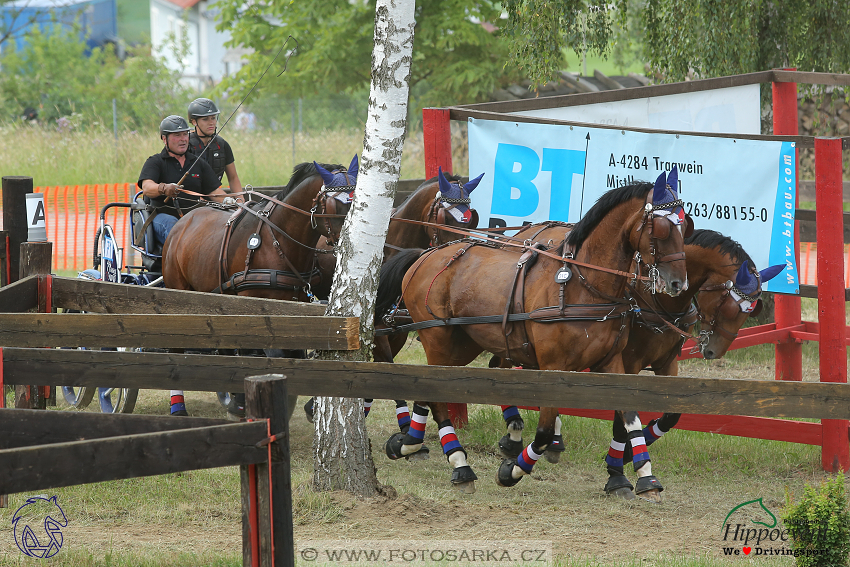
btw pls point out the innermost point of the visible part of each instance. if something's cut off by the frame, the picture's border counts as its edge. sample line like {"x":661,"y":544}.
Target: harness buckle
{"x":606,"y":316}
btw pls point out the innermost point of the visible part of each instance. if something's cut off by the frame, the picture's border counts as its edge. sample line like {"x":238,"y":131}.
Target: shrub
{"x":819,"y":525}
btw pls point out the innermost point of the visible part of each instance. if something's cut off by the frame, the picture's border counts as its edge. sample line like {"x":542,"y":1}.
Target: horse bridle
{"x":438,"y":212}
{"x":659,"y":229}
{"x":326,"y":199}
{"x":728,"y":307}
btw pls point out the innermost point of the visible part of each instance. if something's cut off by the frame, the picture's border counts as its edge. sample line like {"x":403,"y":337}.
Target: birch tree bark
{"x":342,"y":452}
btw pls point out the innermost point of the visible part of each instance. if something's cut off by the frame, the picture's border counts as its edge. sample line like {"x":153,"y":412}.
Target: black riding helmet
{"x":173,"y":124}
{"x":202,"y":107}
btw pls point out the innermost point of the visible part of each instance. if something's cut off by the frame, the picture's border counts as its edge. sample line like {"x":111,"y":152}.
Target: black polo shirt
{"x":218,"y":156}
{"x":164,"y":168}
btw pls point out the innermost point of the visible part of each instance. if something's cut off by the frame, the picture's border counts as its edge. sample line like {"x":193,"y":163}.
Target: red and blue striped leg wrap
{"x":509,"y":413}
{"x":177,"y":402}
{"x":640,"y":456}
{"x":528,"y":458}
{"x":367,"y":405}
{"x":651,"y":433}
{"x":614,"y":458}
{"x":402,"y":415}
{"x":448,"y":438}
{"x":416,"y":433}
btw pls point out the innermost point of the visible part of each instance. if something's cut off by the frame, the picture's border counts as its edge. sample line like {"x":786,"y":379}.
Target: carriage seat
{"x":150,"y":250}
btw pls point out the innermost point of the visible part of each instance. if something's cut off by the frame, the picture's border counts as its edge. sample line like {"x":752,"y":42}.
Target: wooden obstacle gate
{"x":789,"y":331}
{"x":42,"y":450}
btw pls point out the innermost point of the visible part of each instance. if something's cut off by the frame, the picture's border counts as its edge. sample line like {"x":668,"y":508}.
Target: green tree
{"x":53,"y":74}
{"x":458,"y":55}
{"x":712,"y":38}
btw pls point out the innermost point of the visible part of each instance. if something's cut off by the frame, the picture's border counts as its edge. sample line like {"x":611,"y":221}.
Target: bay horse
{"x":716,"y":264}
{"x":265,"y":249}
{"x":441,"y":200}
{"x":589,"y":312}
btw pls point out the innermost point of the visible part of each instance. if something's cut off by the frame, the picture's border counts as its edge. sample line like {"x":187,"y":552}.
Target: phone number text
{"x":726,"y":212}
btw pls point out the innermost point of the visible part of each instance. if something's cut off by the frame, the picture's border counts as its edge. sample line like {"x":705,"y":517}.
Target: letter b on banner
{"x":36,"y":218}
{"x":505,"y":180}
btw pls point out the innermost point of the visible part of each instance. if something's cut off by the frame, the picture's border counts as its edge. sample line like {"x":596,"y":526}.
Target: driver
{"x":161,"y":173}
{"x":203,"y":115}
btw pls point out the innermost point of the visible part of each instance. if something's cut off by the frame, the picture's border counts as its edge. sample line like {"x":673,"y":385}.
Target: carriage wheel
{"x":234,"y":403}
{"x":78,"y":398}
{"x":117,"y":400}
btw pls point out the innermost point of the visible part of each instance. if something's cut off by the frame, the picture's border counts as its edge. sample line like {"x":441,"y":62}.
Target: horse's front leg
{"x":511,"y":471}
{"x":647,"y":487}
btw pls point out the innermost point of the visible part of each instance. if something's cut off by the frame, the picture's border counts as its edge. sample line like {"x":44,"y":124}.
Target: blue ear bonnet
{"x":745,"y":280}
{"x":666,"y":192}
{"x":453,"y":193}
{"x":339,"y":179}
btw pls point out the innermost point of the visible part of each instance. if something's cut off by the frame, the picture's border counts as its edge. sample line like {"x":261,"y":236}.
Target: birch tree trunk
{"x":343,"y":458}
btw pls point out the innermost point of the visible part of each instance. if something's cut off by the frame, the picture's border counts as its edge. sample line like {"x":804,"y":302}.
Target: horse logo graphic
{"x":45,"y":543}
{"x":754,"y":510}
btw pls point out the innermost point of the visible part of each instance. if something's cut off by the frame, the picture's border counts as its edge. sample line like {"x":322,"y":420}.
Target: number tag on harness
{"x":254,"y":241}
{"x":563,"y":275}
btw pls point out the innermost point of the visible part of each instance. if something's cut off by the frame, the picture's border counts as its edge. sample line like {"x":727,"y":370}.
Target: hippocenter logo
{"x":36,"y":537}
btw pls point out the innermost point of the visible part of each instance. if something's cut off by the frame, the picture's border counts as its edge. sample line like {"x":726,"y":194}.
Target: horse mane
{"x":450,"y":177}
{"x":705,"y":238}
{"x":602,"y":207}
{"x":301,"y":172}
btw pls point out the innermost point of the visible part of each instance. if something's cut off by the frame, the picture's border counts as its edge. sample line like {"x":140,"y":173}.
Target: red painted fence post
{"x":437,"y":138}
{"x":832,"y":349}
{"x":789,"y":355}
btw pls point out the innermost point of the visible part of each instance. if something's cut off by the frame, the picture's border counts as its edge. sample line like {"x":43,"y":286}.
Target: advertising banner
{"x":744,"y":189}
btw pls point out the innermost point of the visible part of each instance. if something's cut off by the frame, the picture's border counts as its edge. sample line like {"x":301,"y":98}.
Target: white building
{"x":187,"y":27}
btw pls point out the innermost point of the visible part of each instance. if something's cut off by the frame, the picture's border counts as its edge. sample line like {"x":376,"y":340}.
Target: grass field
{"x":262,"y":157}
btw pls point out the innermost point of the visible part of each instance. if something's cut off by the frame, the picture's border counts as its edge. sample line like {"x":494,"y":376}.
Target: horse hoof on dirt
{"x":420,"y":455}
{"x":503,"y":475}
{"x":308,"y":410}
{"x":509,"y":448}
{"x":463,"y":478}
{"x":554,"y":450}
{"x":649,"y":488}
{"x":619,"y":486}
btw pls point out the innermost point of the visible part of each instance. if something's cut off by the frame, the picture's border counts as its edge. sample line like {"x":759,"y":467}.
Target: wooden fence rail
{"x":587,"y":390}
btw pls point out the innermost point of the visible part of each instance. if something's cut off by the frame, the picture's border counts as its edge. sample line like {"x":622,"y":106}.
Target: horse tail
{"x":392,"y":274}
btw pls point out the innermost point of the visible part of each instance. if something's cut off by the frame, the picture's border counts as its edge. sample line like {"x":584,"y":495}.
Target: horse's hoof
{"x":509,"y":448}
{"x":308,"y":410}
{"x":466,"y":487}
{"x":619,"y":486}
{"x":653,"y":496}
{"x":420,"y":455}
{"x":554,"y":450}
{"x":463,"y":475}
{"x":649,"y":489}
{"x":393,"y":446}
{"x":503,"y":475}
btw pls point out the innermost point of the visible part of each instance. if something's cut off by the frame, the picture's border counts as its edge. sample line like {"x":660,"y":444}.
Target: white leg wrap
{"x":410,"y":449}
{"x":458,"y":459}
{"x":645,"y":470}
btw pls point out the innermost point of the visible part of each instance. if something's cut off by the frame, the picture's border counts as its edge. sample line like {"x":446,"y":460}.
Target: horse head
{"x":334,"y":198}
{"x":450,"y":207}
{"x":724,"y":313}
{"x":658,"y":236}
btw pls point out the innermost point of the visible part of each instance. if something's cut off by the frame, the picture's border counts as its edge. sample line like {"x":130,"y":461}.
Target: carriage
{"x":108,"y":266}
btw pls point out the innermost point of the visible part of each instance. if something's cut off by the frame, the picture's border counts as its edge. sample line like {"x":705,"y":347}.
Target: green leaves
{"x":53,"y":74}
{"x":820,"y":525}
{"x":454,"y":54}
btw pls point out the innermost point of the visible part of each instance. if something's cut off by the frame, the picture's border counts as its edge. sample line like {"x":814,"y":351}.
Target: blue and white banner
{"x":744,"y":189}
